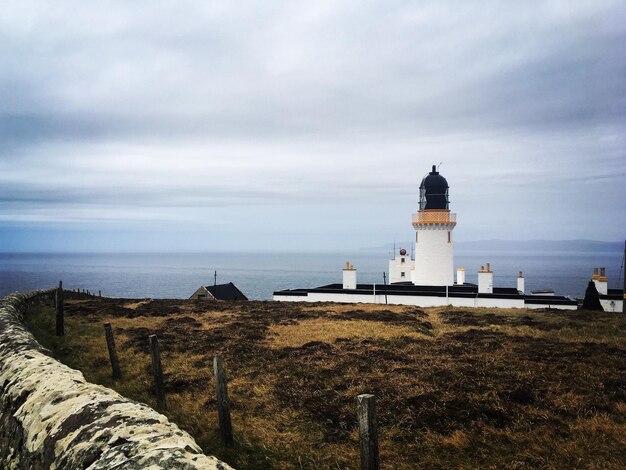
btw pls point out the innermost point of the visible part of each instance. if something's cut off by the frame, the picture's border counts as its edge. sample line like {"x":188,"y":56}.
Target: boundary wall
{"x":52,"y":418}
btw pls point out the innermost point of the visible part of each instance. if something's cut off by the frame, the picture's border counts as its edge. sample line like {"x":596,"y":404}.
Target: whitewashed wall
{"x":548,"y":305}
{"x":434,"y":262}
{"x":201,"y":293}
{"x":485,"y":282}
{"x":500,"y":303}
{"x":601,"y":286}
{"x":397,"y":267}
{"x":616,"y":307}
{"x":349,"y":278}
{"x":420,"y":301}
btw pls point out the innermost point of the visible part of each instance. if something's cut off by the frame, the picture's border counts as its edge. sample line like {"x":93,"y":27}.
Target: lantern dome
{"x":434,"y":191}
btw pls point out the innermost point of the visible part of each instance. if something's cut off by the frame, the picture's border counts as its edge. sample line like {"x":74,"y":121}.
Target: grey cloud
{"x":359,"y":68}
{"x":285,"y":103}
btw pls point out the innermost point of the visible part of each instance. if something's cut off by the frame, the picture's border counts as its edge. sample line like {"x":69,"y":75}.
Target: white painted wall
{"x":201,"y":294}
{"x":615,"y":307}
{"x":601,"y":285}
{"x":520,"y":284}
{"x":500,"y":303}
{"x":400,"y":264}
{"x":420,"y":301}
{"x":460,"y":276}
{"x":290,"y":298}
{"x":485,"y":282}
{"x":434,"y":262}
{"x":548,"y":305}
{"x":349,"y":278}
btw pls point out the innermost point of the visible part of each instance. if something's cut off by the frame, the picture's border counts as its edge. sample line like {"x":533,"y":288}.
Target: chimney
{"x":520,"y":282}
{"x":595,"y":274}
{"x":601,"y":281}
{"x":460,"y":276}
{"x":485,"y":280}
{"x":349,"y":276}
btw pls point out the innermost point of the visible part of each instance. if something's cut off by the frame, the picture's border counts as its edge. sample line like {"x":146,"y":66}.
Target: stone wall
{"x":52,"y":418}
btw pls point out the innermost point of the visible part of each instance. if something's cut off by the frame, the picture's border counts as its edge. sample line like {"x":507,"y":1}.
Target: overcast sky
{"x":291,"y":125}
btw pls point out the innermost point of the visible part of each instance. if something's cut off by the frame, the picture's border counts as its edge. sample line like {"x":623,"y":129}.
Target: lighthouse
{"x":433,"y":224}
{"x":427,"y":278}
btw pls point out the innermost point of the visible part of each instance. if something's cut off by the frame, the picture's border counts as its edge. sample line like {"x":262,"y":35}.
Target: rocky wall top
{"x":51,"y":417}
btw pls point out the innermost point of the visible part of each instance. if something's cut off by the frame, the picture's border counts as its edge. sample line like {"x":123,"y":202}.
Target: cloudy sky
{"x":307,"y":125}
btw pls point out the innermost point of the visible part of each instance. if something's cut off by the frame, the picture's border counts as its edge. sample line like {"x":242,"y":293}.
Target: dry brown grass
{"x":456,"y":388}
{"x":135,"y":305}
{"x":329,"y":330}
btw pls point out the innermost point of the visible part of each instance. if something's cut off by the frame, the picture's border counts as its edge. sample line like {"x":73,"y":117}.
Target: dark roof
{"x":434,"y":191}
{"x":613,"y":294}
{"x":226,"y":292}
{"x":408,"y":289}
{"x":548,"y":299}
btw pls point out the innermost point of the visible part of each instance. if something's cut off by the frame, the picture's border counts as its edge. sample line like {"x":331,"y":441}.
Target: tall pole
{"x":115,"y":362}
{"x":215,"y":285}
{"x":624,"y":275}
{"x":60,"y":325}
{"x":223,"y":404}
{"x":368,"y":432}
{"x":385,"y":284}
{"x":157,"y":372}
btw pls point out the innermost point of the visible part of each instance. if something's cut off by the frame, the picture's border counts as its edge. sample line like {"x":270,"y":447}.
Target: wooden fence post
{"x":115,"y":363}
{"x":60,"y":326}
{"x":157,"y":372}
{"x":223,"y":404}
{"x":366,"y":415}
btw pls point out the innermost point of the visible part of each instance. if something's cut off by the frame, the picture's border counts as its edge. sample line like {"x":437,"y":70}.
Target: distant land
{"x":524,"y":245}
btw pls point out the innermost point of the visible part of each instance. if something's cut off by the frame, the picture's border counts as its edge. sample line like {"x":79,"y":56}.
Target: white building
{"x":406,"y":293}
{"x":218,"y":292}
{"x":433,"y":224}
{"x":400,"y":267}
{"x":428,"y":279}
{"x":610,"y":299}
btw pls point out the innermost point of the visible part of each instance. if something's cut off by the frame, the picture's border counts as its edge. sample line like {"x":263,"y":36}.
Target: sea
{"x":258,"y":275}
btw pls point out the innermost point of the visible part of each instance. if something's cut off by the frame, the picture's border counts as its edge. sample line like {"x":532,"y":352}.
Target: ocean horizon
{"x":258,"y":275}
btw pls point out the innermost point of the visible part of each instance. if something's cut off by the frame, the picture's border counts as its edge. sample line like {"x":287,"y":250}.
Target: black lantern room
{"x":434,"y":191}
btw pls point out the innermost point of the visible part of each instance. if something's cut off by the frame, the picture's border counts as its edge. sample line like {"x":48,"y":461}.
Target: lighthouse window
{"x":402,"y":274}
{"x":449,"y":237}
{"x":402,"y":260}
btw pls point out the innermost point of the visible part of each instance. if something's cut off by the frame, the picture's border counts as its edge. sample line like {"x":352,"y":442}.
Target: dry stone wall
{"x":52,"y":418}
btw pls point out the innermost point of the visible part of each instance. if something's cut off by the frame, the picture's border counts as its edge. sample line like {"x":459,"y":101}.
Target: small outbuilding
{"x":218,"y":292}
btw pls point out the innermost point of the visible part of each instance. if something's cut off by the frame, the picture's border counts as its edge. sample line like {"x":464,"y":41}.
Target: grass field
{"x":456,"y":388}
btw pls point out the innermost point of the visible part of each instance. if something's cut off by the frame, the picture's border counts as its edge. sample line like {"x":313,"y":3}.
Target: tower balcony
{"x":434,"y":217}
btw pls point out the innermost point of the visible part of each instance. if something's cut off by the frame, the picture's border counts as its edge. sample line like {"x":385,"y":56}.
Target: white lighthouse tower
{"x":433,"y":223}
